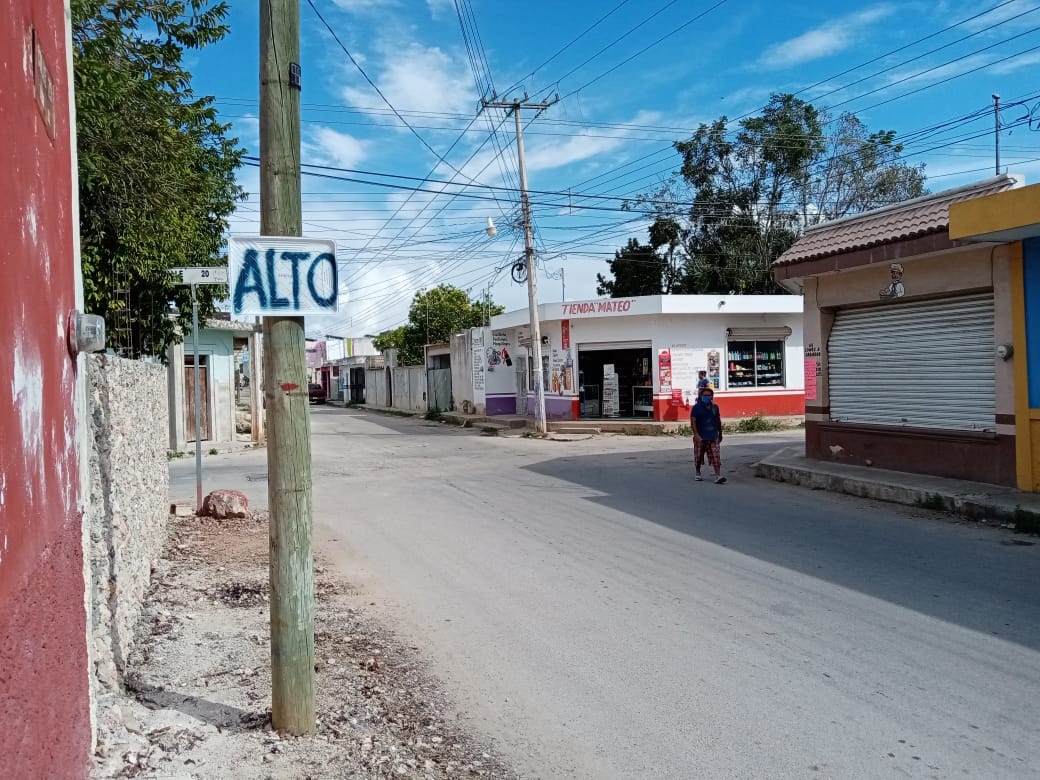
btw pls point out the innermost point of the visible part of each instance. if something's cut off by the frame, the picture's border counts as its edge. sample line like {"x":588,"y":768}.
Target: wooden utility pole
{"x":285,"y":383}
{"x":515,"y":106}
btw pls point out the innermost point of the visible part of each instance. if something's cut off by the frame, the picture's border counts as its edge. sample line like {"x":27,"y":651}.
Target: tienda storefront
{"x":640,"y":357}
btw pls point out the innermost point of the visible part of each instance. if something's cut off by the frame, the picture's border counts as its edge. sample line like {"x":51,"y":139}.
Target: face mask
{"x":707,"y":399}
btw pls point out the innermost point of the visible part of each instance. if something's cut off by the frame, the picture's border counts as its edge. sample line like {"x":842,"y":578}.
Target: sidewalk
{"x":975,"y":500}
{"x":516,"y":423}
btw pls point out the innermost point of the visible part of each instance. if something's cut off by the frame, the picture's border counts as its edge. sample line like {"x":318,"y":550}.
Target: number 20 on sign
{"x":282,"y":275}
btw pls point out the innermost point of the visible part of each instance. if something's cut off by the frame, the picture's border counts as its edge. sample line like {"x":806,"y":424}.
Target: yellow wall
{"x":1027,"y":429}
{"x":1010,"y":210}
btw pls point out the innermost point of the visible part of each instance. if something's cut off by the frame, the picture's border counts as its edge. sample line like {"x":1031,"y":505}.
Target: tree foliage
{"x":156,"y":168}
{"x":742,"y":198}
{"x":636,"y":269}
{"x":432,"y":318}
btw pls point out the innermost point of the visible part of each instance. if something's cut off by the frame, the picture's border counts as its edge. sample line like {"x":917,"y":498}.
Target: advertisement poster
{"x":611,"y":405}
{"x":664,"y":370}
{"x":714,"y":363}
{"x":686,"y":363}
{"x":478,"y":361}
{"x":565,"y":331}
{"x":812,"y":370}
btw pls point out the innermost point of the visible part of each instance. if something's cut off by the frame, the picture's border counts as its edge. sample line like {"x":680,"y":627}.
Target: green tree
{"x":433,"y":317}
{"x":390,"y":339}
{"x":637,"y":270}
{"x":156,"y":168}
{"x":744,"y":197}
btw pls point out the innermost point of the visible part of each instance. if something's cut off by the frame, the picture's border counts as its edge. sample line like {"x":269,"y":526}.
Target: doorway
{"x":189,"y":398}
{"x":632,"y":364}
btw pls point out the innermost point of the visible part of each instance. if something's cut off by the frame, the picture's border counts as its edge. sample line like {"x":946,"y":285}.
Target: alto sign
{"x":277,"y":275}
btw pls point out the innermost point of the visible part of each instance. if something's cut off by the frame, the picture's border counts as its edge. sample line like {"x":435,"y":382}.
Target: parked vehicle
{"x":317,"y":393}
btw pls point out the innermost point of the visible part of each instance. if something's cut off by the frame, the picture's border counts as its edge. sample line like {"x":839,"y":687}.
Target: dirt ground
{"x":198,"y":697}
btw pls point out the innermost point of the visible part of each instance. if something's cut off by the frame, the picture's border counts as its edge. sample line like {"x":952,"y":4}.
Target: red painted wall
{"x":739,"y":405}
{"x":44,"y":698}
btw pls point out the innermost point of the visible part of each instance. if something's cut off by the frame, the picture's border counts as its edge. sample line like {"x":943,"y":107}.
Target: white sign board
{"x":611,"y":402}
{"x":283,"y":276}
{"x":198,"y":275}
{"x":686,"y":363}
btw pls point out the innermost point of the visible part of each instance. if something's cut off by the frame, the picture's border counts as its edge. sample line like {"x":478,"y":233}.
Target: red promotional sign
{"x":565,"y":331}
{"x":664,"y":370}
{"x":812,"y":370}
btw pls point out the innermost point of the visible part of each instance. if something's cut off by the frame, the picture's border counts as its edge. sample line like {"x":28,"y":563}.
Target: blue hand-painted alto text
{"x":299,"y":272}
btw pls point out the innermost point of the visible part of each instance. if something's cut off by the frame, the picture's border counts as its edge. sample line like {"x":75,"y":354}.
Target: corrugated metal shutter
{"x":601,"y":346}
{"x":921,"y":365}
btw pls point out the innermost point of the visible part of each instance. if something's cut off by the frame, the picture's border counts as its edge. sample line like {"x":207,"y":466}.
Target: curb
{"x":940,"y":495}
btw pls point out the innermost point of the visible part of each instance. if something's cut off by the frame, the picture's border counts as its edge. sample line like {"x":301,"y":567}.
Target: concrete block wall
{"x":128,"y":508}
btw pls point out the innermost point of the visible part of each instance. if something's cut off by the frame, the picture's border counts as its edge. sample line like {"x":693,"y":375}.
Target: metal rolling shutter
{"x":921,"y":365}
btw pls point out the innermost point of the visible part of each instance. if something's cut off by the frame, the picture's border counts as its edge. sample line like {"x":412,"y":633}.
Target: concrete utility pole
{"x":996,"y":130}
{"x":532,"y":276}
{"x":285,"y":383}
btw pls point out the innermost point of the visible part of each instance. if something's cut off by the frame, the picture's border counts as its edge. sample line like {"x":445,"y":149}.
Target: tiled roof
{"x":900,"y":221}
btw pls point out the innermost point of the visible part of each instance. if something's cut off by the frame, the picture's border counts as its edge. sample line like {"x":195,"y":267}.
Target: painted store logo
{"x":618,"y":306}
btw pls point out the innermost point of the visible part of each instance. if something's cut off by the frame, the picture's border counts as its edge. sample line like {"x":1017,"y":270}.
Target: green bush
{"x":1026,"y":522}
{"x":756,"y":424}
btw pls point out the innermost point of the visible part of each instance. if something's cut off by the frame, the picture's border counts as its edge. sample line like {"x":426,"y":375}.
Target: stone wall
{"x":129,"y":501}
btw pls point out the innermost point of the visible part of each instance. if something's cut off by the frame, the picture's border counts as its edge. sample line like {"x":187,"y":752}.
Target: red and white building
{"x":640,"y":357}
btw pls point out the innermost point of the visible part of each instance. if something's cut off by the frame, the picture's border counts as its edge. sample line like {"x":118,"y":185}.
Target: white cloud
{"x":329,"y":147}
{"x":364,"y":6}
{"x":830,"y":38}
{"x":1010,"y":66}
{"x":556,"y":154}
{"x":419,"y":78}
{"x":1002,"y":13}
{"x":247,"y":129}
{"x":439,"y":7}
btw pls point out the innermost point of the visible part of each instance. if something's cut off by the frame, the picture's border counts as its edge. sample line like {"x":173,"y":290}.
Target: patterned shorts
{"x":709,"y":448}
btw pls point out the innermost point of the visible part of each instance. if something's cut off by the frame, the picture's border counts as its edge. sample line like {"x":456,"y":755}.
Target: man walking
{"x":706,"y":422}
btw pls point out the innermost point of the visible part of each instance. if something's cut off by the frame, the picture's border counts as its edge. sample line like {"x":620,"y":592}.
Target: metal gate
{"x":356,"y":387}
{"x":438,"y":389}
{"x":921,"y":365}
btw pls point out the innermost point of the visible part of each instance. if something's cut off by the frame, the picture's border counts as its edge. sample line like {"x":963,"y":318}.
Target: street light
{"x":491,"y":230}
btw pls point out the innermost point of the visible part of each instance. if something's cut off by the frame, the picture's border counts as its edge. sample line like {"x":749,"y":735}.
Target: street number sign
{"x":198,"y":275}
{"x":282,"y":275}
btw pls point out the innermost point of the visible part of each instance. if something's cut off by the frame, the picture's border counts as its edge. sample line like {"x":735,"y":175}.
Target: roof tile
{"x":900,"y":221}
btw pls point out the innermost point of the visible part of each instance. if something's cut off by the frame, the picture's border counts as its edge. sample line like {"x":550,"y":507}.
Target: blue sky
{"x":633,"y":77}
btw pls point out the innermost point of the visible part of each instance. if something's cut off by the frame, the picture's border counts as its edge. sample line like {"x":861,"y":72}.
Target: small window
{"x":755,"y":364}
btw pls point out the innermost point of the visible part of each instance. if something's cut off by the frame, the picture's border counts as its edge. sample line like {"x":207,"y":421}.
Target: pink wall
{"x":44,"y":699}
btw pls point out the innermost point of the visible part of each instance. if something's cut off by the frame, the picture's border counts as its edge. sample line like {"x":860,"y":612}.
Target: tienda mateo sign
{"x":612,"y":306}
{"x":282,"y":276}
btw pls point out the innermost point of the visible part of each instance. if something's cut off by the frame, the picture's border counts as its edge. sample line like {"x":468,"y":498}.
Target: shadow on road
{"x":971,"y":576}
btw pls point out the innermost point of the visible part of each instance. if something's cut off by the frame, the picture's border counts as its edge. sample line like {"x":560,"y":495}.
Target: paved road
{"x":603,"y":616}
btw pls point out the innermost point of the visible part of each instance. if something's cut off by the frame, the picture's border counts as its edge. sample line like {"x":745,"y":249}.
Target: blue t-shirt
{"x":707,"y":419}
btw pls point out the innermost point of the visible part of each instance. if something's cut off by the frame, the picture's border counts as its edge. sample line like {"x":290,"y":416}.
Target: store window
{"x":756,"y":364}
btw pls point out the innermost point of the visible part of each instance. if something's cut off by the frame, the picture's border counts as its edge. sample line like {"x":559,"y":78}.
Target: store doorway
{"x":633,"y":396}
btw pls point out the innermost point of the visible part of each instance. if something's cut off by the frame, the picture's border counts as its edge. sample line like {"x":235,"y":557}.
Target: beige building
{"x":908,"y":340}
